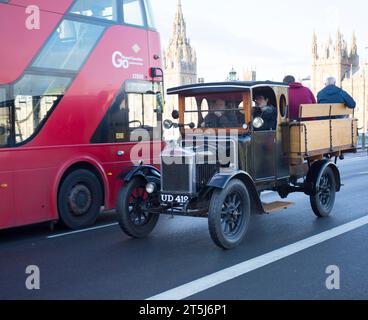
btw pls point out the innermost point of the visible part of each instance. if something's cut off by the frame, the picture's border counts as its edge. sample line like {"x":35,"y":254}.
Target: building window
{"x":69,"y":46}
{"x":4,"y":119}
{"x":133,"y":12}
{"x":149,"y":13}
{"x":101,"y":9}
{"x":34,"y":99}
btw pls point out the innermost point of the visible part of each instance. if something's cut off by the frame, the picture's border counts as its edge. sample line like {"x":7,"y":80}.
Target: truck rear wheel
{"x":323,"y":202}
{"x":134,"y":219}
{"x":80,"y":199}
{"x":229,"y":215}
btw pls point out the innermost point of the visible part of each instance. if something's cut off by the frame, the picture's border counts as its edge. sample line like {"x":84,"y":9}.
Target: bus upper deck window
{"x":149,"y":13}
{"x":102,"y":9}
{"x":133,"y":12}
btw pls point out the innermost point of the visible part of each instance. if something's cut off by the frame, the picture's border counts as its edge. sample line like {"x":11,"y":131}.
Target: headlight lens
{"x":151,"y":187}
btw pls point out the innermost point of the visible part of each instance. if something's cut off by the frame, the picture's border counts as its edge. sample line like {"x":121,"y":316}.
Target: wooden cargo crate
{"x":321,"y":131}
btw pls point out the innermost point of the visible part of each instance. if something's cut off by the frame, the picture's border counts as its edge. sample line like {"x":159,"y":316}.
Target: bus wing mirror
{"x":160,"y":102}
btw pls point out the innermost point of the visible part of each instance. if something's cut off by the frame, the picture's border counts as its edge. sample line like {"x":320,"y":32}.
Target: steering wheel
{"x":136,"y":121}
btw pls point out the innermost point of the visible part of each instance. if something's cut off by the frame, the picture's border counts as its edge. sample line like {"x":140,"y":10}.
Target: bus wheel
{"x":323,"y":202}
{"x":229,"y":215}
{"x":80,"y":199}
{"x":133,"y":217}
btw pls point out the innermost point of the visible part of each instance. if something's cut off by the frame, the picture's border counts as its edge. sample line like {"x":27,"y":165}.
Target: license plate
{"x":169,"y":198}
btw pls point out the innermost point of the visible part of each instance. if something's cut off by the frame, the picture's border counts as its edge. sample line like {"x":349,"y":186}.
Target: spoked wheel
{"x":323,"y":202}
{"x":229,"y":215}
{"x":133,"y":215}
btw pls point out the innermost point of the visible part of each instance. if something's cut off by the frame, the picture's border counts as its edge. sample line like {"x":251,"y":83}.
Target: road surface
{"x":284,"y":256}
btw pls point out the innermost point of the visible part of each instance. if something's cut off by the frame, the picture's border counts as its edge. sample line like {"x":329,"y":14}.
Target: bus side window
{"x":4,"y":120}
{"x":141,"y":111}
{"x":133,"y":12}
{"x":102,"y":9}
{"x":150,"y":18}
{"x":35,"y":96}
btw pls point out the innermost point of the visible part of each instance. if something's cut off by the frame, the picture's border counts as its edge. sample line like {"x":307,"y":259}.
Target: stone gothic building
{"x":336,"y":58}
{"x":180,"y":59}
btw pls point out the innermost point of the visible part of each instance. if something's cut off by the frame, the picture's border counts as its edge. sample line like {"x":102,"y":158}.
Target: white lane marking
{"x":81,"y":231}
{"x":267,"y":192}
{"x":235,"y":271}
{"x":354,"y":159}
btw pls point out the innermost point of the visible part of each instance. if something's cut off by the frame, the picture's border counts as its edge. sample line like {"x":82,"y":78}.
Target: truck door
{"x":264,"y":137}
{"x":264,"y":154}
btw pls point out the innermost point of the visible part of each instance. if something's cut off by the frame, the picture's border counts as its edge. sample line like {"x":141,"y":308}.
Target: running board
{"x":276,"y":206}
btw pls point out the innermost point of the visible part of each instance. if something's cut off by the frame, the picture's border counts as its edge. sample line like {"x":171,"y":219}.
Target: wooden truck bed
{"x":320,"y":133}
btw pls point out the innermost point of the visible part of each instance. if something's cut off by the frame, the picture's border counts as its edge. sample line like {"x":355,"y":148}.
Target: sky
{"x":274,"y":37}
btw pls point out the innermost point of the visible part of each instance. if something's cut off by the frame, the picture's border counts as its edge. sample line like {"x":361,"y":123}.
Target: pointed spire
{"x":339,"y":50}
{"x":354,"y":45}
{"x":181,"y":56}
{"x":179,"y":34}
{"x":314,"y":37}
{"x":314,"y":45}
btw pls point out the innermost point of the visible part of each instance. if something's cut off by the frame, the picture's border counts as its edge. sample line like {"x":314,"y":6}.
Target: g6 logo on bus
{"x":119,"y":60}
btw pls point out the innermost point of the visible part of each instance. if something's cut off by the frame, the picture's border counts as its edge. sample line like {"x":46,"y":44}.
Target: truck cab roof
{"x":222,"y":87}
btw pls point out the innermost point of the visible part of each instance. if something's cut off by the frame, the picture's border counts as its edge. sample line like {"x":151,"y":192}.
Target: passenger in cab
{"x":298,"y":95}
{"x":216,"y":117}
{"x":267,"y":112}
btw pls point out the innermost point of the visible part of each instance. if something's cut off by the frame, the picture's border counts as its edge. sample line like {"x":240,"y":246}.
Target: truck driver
{"x":216,"y":117}
{"x":265,"y":111}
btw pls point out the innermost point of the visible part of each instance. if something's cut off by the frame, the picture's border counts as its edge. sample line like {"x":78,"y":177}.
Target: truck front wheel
{"x":229,"y":215}
{"x":323,"y":201}
{"x":134,"y":218}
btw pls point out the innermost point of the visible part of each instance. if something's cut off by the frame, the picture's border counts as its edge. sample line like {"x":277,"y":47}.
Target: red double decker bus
{"x":77,"y":77}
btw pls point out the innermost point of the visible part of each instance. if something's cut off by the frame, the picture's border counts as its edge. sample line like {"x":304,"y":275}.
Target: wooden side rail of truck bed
{"x":321,"y":130}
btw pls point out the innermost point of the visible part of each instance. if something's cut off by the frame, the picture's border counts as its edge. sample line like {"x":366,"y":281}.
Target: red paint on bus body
{"x":19,"y":44}
{"x":32,"y":172}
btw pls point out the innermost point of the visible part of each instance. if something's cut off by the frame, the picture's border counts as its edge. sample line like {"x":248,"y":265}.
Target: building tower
{"x":333,"y":59}
{"x":180,"y":60}
{"x":232,"y":76}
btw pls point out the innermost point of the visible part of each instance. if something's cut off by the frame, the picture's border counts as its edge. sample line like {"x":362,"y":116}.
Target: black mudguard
{"x":315,"y":173}
{"x":221,"y":180}
{"x":149,"y":173}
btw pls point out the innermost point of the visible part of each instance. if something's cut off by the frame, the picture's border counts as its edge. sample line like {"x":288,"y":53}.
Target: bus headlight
{"x":151,"y":187}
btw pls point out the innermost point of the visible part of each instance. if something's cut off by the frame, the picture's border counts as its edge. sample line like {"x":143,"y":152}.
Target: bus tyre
{"x":323,"y":201}
{"x":80,"y":199}
{"x":133,"y":217}
{"x":229,"y":215}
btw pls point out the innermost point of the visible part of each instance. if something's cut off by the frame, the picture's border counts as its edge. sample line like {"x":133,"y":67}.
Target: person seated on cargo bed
{"x":216,"y":117}
{"x":265,"y":111}
{"x":333,"y":94}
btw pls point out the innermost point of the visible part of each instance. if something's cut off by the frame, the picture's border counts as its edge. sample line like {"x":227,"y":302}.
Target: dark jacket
{"x":269,"y":116}
{"x":298,"y":95}
{"x":334,"y":94}
{"x":214,"y":122}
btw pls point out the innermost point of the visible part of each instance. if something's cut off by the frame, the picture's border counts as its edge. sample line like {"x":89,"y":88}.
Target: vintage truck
{"x":230,"y":152}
